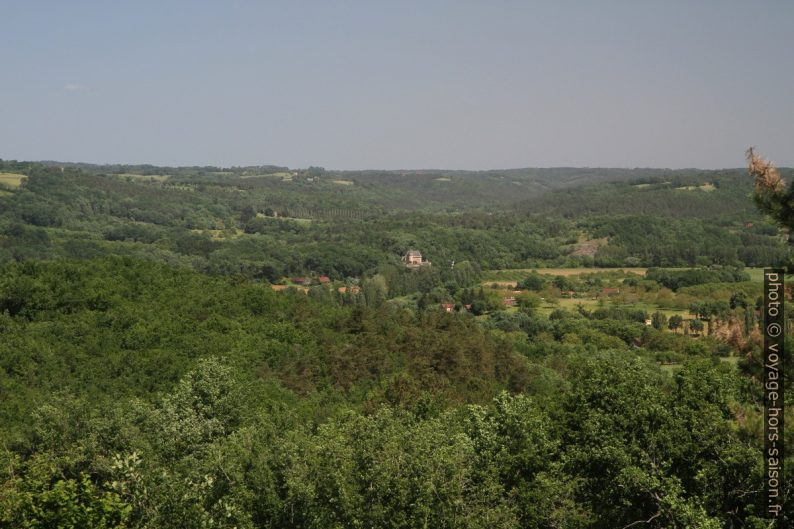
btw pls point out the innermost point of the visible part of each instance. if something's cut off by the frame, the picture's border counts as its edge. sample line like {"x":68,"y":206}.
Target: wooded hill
{"x":151,"y":377}
{"x":284,"y":222}
{"x":136,"y":395}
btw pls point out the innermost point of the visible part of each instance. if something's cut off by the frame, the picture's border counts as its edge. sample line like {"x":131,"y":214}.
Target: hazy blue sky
{"x":400,"y":84}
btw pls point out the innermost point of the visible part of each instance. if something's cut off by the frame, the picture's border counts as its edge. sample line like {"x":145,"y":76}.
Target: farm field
{"x":567,"y":303}
{"x":12,"y":180}
{"x":591,"y":292}
{"x":284,"y":175}
{"x":708,"y":187}
{"x":590,"y":304}
{"x":507,"y":276}
{"x":296,"y":220}
{"x":757,"y":275}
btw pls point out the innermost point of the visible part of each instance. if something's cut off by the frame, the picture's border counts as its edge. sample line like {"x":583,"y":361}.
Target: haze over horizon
{"x":414,"y":85}
{"x":391,"y":170}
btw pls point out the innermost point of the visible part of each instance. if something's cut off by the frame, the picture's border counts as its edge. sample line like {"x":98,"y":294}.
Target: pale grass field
{"x":509,"y":277}
{"x":12,"y":180}
{"x":281,"y":174}
{"x":302,"y":222}
{"x":704,"y":187}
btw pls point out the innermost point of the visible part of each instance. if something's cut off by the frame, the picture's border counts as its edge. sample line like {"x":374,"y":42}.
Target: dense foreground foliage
{"x":139,"y":395}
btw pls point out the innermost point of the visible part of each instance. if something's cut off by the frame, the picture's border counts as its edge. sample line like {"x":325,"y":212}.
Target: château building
{"x":414,"y":258}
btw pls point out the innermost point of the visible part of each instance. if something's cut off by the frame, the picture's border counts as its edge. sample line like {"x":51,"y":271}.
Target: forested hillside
{"x":244,"y":348}
{"x":136,"y":395}
{"x":285,"y":223}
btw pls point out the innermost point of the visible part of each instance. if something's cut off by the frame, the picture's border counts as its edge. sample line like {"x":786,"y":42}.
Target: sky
{"x":398,"y":85}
